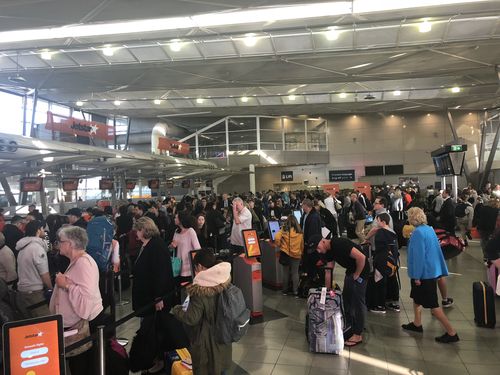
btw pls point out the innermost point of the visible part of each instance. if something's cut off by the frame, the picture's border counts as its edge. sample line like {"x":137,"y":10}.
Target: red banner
{"x":70,"y":184}
{"x":331,"y":188}
{"x":29,"y":184}
{"x":364,"y":187}
{"x":167,"y":144}
{"x":70,"y":125}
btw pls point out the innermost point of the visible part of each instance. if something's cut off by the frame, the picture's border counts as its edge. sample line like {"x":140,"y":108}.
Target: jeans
{"x":292,"y":269}
{"x":354,"y":303}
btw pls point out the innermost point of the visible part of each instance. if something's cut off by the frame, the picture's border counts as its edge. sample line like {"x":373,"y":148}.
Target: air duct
{"x":159,"y":130}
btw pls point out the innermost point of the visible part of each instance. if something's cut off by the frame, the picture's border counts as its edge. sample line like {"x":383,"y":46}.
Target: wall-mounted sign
{"x":186,"y":184}
{"x":70,"y":125}
{"x":169,"y":184}
{"x":286,"y":175}
{"x":106,"y":184}
{"x":130,"y":184}
{"x":154,"y":184}
{"x":167,"y":144}
{"x":29,"y":184}
{"x":70,"y":184}
{"x":345,"y":175}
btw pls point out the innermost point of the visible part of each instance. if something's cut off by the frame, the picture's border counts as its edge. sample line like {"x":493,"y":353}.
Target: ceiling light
{"x":117,"y":102}
{"x":425,"y":26}
{"x":398,"y":55}
{"x":332,"y":33}
{"x":358,"y":66}
{"x":456,"y":89}
{"x":200,"y":101}
{"x":250,"y":40}
{"x":470,"y":113}
{"x":342,"y":95}
{"x":428,"y":114}
{"x":244,"y":99}
{"x":48,"y":159}
{"x":108,"y":51}
{"x":291,"y":97}
{"x":46,"y":55}
{"x":79,"y":103}
{"x":354,"y":116}
{"x":396,"y":93}
{"x":157,"y":101}
{"x":175,"y":45}
{"x":392,"y":115}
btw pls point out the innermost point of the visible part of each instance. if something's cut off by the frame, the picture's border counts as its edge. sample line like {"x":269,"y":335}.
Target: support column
{"x":455,"y":188}
{"x":8,"y":191}
{"x":33,"y":113}
{"x":491,"y":157}
{"x":227,"y":141}
{"x":251,"y":168}
{"x":43,"y":201}
{"x":443,"y":182}
{"x":140,"y":186}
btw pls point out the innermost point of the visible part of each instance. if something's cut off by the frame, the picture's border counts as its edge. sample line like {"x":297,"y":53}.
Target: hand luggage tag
{"x":322,"y":299}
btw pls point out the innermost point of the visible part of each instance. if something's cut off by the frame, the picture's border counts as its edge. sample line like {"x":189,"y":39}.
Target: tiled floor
{"x":278,"y":346}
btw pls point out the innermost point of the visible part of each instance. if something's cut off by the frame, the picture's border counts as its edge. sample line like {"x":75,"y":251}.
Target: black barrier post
{"x":101,"y":348}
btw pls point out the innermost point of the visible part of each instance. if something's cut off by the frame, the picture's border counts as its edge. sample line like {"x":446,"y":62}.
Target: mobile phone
{"x":359,"y":280}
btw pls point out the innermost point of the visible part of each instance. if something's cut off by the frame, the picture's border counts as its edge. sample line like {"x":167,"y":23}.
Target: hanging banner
{"x":154,"y":184}
{"x":364,"y":187}
{"x":106,"y":184}
{"x":167,"y":144}
{"x":70,"y":125}
{"x":70,"y":184}
{"x":30,"y":184}
{"x":331,"y":188}
{"x":130,"y":184}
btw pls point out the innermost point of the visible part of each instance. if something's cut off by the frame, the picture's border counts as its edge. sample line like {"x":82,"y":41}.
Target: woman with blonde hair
{"x":290,"y":239}
{"x":425,"y":266}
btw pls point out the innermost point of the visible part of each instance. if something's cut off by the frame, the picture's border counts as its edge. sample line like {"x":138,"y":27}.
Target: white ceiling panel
{"x":181,"y":103}
{"x":470,"y":29}
{"x":6,"y":63}
{"x":88,"y":57}
{"x":32,"y":61}
{"x":223,"y":48}
{"x":121,"y":55}
{"x":297,"y":99}
{"x":423,"y":94}
{"x":293,"y":43}
{"x":187,"y":52}
{"x":155,"y":53}
{"x":206,"y":103}
{"x":60,"y":60}
{"x":224,"y":102}
{"x":377,"y":37}
{"x":344,"y":41}
{"x":270,"y":100}
{"x":410,"y":34}
{"x":316,"y":99}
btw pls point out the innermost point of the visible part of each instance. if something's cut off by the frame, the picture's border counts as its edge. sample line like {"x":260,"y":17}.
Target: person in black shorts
{"x":348,"y":255}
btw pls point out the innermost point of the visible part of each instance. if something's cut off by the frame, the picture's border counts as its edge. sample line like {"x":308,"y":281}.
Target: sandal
{"x":351,"y":344}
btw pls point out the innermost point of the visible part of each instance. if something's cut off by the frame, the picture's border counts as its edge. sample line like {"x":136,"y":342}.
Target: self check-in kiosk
{"x":247,"y":273}
{"x":272,"y":270}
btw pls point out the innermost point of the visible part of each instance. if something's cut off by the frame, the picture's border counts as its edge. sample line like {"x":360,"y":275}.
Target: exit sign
{"x":456,"y":148}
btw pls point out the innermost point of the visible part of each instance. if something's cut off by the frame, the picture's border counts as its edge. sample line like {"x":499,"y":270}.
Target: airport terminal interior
{"x":110,"y":102}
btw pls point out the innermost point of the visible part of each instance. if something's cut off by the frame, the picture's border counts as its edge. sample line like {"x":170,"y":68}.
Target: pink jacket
{"x":82,"y":300}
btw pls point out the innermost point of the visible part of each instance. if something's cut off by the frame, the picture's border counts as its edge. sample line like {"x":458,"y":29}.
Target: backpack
{"x":100,"y":233}
{"x":460,"y":209}
{"x":117,"y":361}
{"x":233,"y":316}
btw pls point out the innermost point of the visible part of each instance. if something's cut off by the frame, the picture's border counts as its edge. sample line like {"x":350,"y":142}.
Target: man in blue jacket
{"x":425,"y":266}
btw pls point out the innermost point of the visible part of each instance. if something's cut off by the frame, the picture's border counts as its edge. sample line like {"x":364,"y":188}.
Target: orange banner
{"x":70,"y":125}
{"x":364,"y":187}
{"x":331,"y":188}
{"x":167,"y":144}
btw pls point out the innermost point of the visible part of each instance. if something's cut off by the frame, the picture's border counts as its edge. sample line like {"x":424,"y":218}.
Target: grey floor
{"x":278,"y":344}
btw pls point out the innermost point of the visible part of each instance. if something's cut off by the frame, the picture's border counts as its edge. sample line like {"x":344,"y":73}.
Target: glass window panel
{"x":242,"y":138}
{"x":242,"y":123}
{"x":295,"y":137}
{"x":11,"y":107}
{"x":60,"y":109}
{"x":316,"y":141}
{"x":270,"y":124}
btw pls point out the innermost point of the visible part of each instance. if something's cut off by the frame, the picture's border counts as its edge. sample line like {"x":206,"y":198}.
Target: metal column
{"x":455,"y":188}
{"x":251,"y":168}
{"x":227,"y":141}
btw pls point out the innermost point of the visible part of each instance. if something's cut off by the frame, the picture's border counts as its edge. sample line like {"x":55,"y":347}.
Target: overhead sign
{"x":169,"y":184}
{"x":70,"y":125}
{"x":286,"y":175}
{"x":154,"y":184}
{"x":331,"y":188}
{"x":130,"y":184}
{"x":344,"y":175}
{"x":176,"y":147}
{"x":70,"y":184}
{"x":106,"y":184}
{"x":29,"y":184}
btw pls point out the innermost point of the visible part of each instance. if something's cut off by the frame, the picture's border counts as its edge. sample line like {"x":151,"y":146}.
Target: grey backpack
{"x":233,"y":316}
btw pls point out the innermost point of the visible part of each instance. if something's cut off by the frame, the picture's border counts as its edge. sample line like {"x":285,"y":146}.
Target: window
{"x":11,"y":108}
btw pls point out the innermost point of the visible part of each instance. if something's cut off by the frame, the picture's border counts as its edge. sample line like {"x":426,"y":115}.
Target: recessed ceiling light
{"x":358,"y":66}
{"x":250,"y":40}
{"x":46,"y":55}
{"x":48,"y":159}
{"x":456,"y":89}
{"x":117,"y":102}
{"x":244,"y":99}
{"x":200,"y":100}
{"x":332,"y":33}
{"x":108,"y":51}
{"x":392,"y":115}
{"x":428,"y":114}
{"x":354,"y":116}
{"x":157,"y":101}
{"x":79,"y":103}
{"x":425,"y":26}
{"x":342,"y":95}
{"x":291,"y":97}
{"x":470,"y":113}
{"x":175,"y":45}
{"x":396,"y":93}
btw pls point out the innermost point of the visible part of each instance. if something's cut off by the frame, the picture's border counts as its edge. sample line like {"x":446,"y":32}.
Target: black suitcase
{"x":484,"y":304}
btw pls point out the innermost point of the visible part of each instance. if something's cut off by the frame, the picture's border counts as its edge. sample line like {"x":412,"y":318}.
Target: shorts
{"x":425,"y":294}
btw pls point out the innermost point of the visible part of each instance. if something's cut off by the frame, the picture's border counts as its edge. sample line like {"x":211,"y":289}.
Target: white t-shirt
{"x":245,"y":223}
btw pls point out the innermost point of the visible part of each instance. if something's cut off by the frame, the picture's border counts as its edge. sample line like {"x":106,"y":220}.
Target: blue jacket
{"x":425,"y":257}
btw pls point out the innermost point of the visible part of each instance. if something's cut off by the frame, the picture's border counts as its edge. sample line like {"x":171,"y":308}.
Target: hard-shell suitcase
{"x":484,"y":304}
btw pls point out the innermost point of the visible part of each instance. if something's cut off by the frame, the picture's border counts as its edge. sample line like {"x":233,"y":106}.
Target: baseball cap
{"x":75,"y":211}
{"x":313,"y":243}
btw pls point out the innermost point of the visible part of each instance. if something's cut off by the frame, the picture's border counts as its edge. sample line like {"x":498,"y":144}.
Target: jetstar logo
{"x":92,"y":129}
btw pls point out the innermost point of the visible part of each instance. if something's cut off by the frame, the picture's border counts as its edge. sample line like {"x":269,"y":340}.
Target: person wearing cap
{"x":33,"y":271}
{"x":75,"y":218}
{"x":348,"y":255}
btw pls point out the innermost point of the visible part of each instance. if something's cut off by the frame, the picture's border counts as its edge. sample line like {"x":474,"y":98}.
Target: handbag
{"x":284,"y":258}
{"x":83,"y":331}
{"x":176,"y":262}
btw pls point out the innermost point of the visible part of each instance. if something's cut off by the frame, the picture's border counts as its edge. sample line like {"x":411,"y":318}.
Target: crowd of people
{"x":45,"y":259}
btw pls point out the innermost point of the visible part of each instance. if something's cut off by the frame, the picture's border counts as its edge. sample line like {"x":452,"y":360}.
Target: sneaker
{"x":446,"y":339}
{"x":378,"y":310}
{"x":448,"y":302}
{"x":393,"y":307}
{"x":284,"y":292}
{"x":412,"y":327}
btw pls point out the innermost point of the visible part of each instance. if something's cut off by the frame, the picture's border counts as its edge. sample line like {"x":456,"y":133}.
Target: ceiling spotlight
{"x":396,"y":93}
{"x":291,"y":97}
{"x":250,"y":40}
{"x":108,"y":51}
{"x":175,"y":45}
{"x":117,"y":102}
{"x":332,"y":33}
{"x":46,"y":55}
{"x":354,"y":116}
{"x":157,"y":101}
{"x":425,"y":26}
{"x":342,"y":95}
{"x":244,"y":99}
{"x":200,"y":101}
{"x":456,"y":89}
{"x":79,"y":103}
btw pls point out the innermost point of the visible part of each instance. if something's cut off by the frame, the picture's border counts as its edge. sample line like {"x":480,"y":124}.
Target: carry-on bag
{"x":484,"y":304}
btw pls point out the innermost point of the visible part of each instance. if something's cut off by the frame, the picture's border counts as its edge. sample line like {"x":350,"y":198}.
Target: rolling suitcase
{"x":484,"y":304}
{"x":492,"y":274}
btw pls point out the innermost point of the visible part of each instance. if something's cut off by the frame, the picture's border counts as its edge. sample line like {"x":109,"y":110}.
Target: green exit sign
{"x":456,"y":148}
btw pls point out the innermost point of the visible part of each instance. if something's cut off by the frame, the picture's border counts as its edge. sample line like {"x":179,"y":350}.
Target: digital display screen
{"x":130,"y":184}
{"x":106,"y":184}
{"x":274,"y":227}
{"x":29,"y":184}
{"x":70,"y":184}
{"x":34,"y":346}
{"x":251,"y":240}
{"x":297,"y":215}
